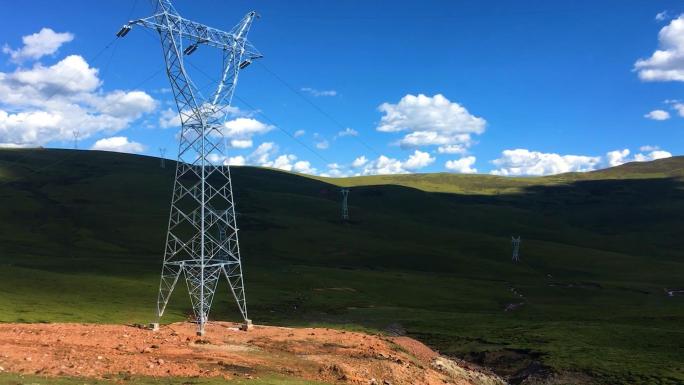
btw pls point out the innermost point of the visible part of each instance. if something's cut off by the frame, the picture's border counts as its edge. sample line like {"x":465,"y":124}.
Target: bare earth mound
{"x":315,"y":354}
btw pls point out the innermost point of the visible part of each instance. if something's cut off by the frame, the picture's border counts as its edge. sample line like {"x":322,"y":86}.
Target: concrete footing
{"x":154,"y":326}
{"x":247,"y":325}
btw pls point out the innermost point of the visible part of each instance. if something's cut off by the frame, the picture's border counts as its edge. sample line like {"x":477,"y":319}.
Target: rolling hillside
{"x":81,"y":235}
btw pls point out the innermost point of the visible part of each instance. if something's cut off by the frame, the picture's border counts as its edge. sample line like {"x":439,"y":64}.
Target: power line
{"x":50,"y":96}
{"x":76,"y":133}
{"x":262,"y":114}
{"x":317,"y":108}
{"x":267,"y":118}
{"x":71,"y":155}
{"x":289,"y":134}
{"x":130,"y":14}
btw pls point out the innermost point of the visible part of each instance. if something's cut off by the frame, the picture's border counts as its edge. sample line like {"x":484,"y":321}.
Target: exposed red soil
{"x":317,"y":354}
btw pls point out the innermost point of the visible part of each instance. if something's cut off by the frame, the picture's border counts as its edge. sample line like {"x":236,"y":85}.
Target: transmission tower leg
{"x":233,"y":273}
{"x":201,"y":281}
{"x":169,"y":278}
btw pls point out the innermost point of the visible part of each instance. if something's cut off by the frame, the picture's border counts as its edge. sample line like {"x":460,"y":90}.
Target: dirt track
{"x":316,"y":354}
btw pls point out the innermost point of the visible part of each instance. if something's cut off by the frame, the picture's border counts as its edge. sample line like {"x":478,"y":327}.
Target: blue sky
{"x":513,"y":88}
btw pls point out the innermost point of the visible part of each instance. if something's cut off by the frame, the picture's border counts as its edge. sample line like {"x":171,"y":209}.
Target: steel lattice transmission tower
{"x":516,"y":248}
{"x":76,"y":135}
{"x":162,"y":160}
{"x":202,"y":239}
{"x":345,"y":208}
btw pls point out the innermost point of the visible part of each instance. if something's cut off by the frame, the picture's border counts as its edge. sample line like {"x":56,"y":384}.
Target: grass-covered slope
{"x":81,"y":236}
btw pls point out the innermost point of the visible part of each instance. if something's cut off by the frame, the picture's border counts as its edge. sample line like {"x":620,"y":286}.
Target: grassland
{"x":81,"y":235}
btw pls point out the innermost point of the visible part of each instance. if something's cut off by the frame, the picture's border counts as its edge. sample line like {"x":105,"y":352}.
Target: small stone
{"x":28,"y":359}
{"x":150,"y":366}
{"x":146,"y":350}
{"x":2,"y":369}
{"x":160,"y":361}
{"x":99,"y":357}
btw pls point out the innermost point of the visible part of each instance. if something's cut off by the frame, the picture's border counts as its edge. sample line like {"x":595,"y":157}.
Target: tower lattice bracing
{"x":202,"y":237}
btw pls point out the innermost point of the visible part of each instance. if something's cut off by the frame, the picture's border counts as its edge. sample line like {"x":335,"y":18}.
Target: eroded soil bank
{"x":334,"y":356}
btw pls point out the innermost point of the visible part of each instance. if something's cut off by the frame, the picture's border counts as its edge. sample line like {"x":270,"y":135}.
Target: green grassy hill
{"x":81,"y":236}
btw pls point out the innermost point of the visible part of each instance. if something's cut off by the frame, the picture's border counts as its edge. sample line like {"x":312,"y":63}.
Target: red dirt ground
{"x":316,"y":354}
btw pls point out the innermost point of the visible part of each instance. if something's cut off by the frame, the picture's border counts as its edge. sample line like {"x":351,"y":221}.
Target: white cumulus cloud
{"x":216,"y":159}
{"x":241,"y":143}
{"x":525,"y":162}
{"x":237,"y":161}
{"x":360,"y":161}
{"x":323,"y":145}
{"x":42,"y":43}
{"x":431,"y":121}
{"x":648,"y":153}
{"x":304,"y":167}
{"x":652,"y":155}
{"x":336,"y":171}
{"x":677,"y":106}
{"x":318,"y":93}
{"x":418,"y":160}
{"x":347,"y":132}
{"x":245,"y":128}
{"x":43,"y":104}
{"x":121,"y":104}
{"x":70,"y":77}
{"x":520,"y":162}
{"x":266,"y":155}
{"x":667,"y":62}
{"x":262,"y":154}
{"x":658,"y":115}
{"x":462,"y":166}
{"x":451,"y":149}
{"x":118,"y":144}
{"x":386,"y":165}
{"x":617,"y":157}
{"x":169,"y":118}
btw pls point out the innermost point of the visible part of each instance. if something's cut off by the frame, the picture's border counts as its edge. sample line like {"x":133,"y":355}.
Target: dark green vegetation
{"x":81,"y":235}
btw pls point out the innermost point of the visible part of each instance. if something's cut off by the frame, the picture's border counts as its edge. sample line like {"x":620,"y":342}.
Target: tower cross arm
{"x":202,"y":34}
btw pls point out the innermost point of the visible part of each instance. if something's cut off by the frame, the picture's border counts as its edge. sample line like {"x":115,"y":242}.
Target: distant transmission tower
{"x":162,"y":152}
{"x":516,"y":248}
{"x":202,"y":237}
{"x":76,"y":136}
{"x":345,"y":209}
